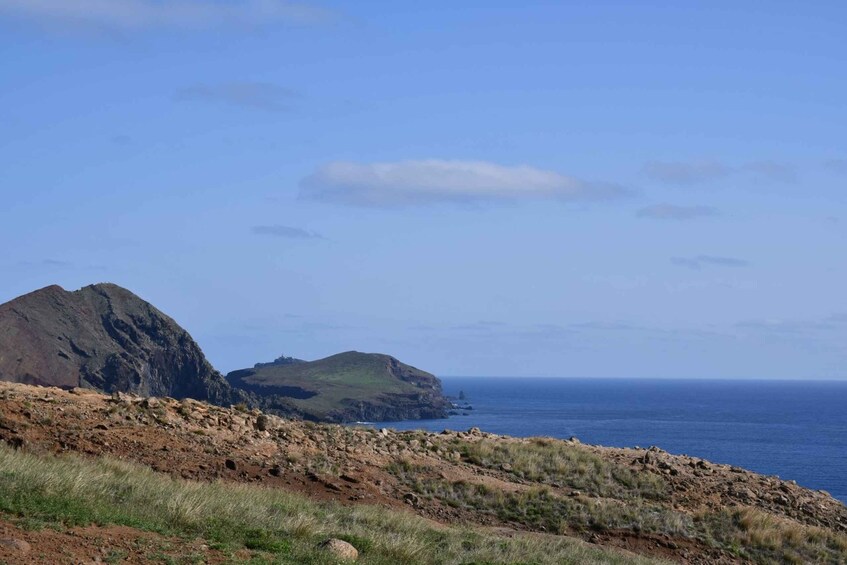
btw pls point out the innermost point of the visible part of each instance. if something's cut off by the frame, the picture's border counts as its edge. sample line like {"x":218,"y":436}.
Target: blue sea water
{"x":794,"y":429}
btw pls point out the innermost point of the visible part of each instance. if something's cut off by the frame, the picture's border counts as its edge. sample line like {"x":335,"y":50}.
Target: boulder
{"x":17,"y":545}
{"x":340,"y":549}
{"x":262,"y":423}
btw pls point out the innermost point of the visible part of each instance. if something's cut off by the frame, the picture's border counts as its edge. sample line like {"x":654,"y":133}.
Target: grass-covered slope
{"x":350,"y":386}
{"x":242,"y":523}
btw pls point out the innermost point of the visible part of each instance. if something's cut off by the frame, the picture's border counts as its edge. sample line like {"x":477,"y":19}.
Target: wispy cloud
{"x":836,"y":165}
{"x":673,"y":212}
{"x":285,"y":232}
{"x":770,"y":170}
{"x":480,"y":326}
{"x":145,"y":14}
{"x":50,"y":263}
{"x":706,"y":260}
{"x":695,"y":172}
{"x":255,"y":95}
{"x":406,"y":183}
{"x":573,"y":330}
{"x":613,"y":326}
{"x":58,"y":265}
{"x":292,"y":324}
{"x":686,"y":173}
{"x":837,"y":321}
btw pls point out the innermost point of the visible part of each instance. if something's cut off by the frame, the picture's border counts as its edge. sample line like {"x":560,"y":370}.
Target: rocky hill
{"x":106,"y":338}
{"x":346,"y":387}
{"x":527,"y":498}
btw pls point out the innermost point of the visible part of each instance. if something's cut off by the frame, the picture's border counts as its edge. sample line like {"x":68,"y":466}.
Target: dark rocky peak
{"x":103,"y":337}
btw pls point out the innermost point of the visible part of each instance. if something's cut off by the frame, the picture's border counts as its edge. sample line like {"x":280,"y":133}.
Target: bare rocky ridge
{"x":106,"y":338}
{"x":709,"y":511}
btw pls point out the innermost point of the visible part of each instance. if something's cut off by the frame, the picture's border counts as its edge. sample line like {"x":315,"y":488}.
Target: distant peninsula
{"x":346,"y":387}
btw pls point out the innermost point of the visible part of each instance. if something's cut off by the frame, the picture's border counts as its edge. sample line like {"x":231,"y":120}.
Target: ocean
{"x":793,"y":429}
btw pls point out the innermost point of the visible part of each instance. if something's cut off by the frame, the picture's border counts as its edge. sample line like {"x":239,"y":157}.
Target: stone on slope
{"x":341,"y":549}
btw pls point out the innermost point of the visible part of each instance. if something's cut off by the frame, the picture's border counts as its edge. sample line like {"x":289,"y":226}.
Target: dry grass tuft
{"x":766,"y":538}
{"x":559,"y":463}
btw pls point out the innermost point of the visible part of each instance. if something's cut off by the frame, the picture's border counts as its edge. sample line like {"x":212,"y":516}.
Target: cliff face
{"x":347,"y":387}
{"x":106,"y":338}
{"x":389,"y":408}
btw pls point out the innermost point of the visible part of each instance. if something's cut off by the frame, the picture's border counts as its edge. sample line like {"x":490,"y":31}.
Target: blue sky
{"x":586,"y":189}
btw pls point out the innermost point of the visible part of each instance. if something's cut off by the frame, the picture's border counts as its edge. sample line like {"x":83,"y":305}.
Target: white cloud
{"x":139,"y":14}
{"x":431,"y":181}
{"x":673,"y":212}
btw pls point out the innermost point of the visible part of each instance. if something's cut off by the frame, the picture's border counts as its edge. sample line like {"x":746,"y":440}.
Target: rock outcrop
{"x":106,"y":338}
